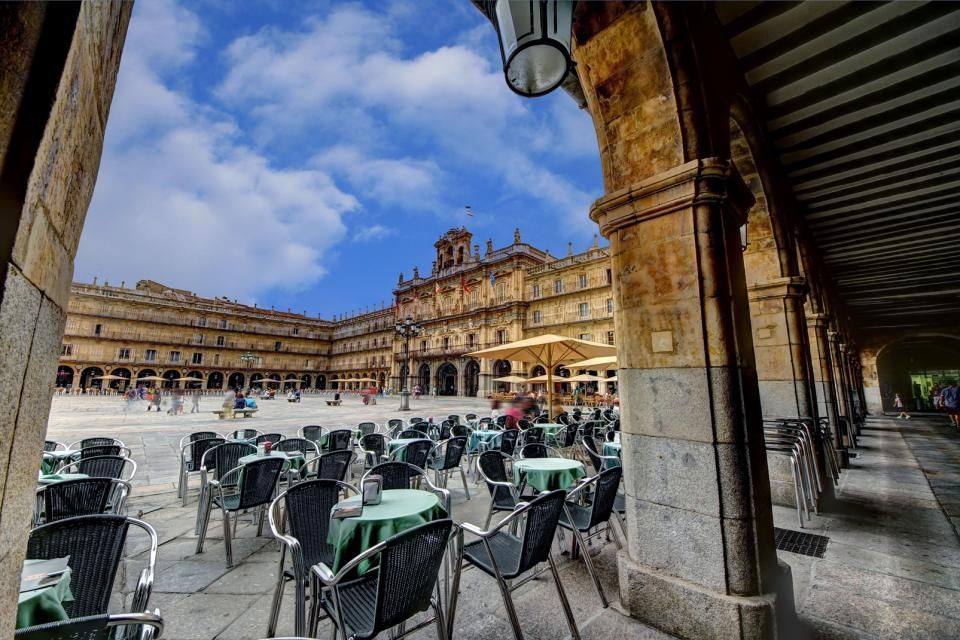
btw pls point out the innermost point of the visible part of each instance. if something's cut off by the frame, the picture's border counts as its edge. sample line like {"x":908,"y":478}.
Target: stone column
{"x":840,"y":379}
{"x":462,"y":378}
{"x":486,"y":378}
{"x":700,"y":560}
{"x":823,"y":373}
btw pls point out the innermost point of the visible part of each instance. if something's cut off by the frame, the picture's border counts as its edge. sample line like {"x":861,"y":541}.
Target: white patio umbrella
{"x":603,"y":363}
{"x":549,"y":351}
{"x":110,"y":376}
{"x":585,"y":377}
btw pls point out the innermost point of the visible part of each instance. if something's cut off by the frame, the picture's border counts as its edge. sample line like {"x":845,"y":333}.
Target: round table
{"x":399,"y":510}
{"x":53,"y":459}
{"x":547,"y":474}
{"x":612,"y":449}
{"x":481,"y":435}
{"x":40,"y":606}
{"x":53,"y":478}
{"x":294,"y":459}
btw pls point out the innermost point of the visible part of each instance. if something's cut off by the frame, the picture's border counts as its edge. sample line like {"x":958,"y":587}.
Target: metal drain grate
{"x":806,"y":544}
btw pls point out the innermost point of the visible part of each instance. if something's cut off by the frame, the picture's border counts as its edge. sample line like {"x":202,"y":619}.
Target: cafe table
{"x":43,"y":605}
{"x":610,"y":450}
{"x":53,"y":459}
{"x":294,"y":459}
{"x":547,"y":474}
{"x":481,"y":436}
{"x":399,"y":510}
{"x":53,"y":478}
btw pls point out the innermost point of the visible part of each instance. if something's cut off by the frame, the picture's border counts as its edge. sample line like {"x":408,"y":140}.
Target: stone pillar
{"x":840,"y":379}
{"x":700,"y":560}
{"x":823,"y":373}
{"x":462,"y":378}
{"x":60,"y":63}
{"x":486,"y":378}
{"x":871,"y":382}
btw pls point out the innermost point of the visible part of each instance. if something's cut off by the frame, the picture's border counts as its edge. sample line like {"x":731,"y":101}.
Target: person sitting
{"x":239,"y":402}
{"x":250,"y":402}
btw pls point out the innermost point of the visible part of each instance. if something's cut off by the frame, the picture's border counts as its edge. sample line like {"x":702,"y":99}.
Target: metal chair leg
{"x":463,"y":478}
{"x":277,"y":598}
{"x":508,"y":603}
{"x":585,"y":552}
{"x":204,"y":520}
{"x":227,"y":539}
{"x":486,"y":524}
{"x":438,"y":620}
{"x":563,"y":599}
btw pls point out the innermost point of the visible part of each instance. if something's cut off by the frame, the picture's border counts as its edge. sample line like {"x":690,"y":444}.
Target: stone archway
{"x":87,"y":378}
{"x":146,"y":373}
{"x":912,"y":367}
{"x":170,"y":378}
{"x":446,"y":380}
{"x":471,"y":379}
{"x":423,"y":377}
{"x":215,"y":380}
{"x":321,"y":382}
{"x":120,"y":385}
{"x":64,"y":376}
{"x":236,"y":380}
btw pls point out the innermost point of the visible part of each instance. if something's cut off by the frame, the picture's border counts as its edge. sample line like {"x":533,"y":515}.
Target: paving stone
{"x":248,"y":578}
{"x":202,"y":616}
{"x":188,"y":576}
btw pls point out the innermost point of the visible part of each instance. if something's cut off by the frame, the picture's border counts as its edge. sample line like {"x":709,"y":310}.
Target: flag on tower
{"x":469,"y":210}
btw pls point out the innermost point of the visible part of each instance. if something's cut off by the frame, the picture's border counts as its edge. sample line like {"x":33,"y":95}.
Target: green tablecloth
{"x":611,"y":449}
{"x":550,"y":432}
{"x":481,"y":435}
{"x":52,"y":459}
{"x":52,"y":478}
{"x":547,"y":474}
{"x":393,"y":445}
{"x":43,"y":605}
{"x":399,"y":510}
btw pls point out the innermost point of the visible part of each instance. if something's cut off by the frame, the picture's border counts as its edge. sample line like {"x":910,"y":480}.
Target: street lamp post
{"x":248,"y":358}
{"x":406,"y":329}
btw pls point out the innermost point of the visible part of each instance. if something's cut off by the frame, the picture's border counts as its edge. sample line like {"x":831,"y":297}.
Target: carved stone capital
{"x":818,"y":319}
{"x":698,"y":181}
{"x":779,"y":288}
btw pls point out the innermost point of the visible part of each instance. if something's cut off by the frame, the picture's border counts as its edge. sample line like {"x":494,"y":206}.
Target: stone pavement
{"x":891,"y":568}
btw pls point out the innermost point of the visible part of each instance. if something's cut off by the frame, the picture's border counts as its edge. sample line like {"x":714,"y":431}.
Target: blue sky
{"x":301,"y":155}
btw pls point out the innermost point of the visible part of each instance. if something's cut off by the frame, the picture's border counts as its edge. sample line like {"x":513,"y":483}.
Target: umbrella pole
{"x":550,"y":385}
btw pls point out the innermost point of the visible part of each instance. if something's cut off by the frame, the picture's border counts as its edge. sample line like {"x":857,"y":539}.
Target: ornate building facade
{"x":469,"y":300}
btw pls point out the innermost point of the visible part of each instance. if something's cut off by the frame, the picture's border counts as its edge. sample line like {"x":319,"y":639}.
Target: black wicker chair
{"x":256,"y":484}
{"x":272,"y":438}
{"x":300,"y":520}
{"x":402,"y":585}
{"x":333,"y":465}
{"x":117,"y":626}
{"x":94,"y":442}
{"x":243,"y":434}
{"x":503,"y":494}
{"x":506,"y":442}
{"x":459,"y":430}
{"x":366,"y":428}
{"x":601,"y":463}
{"x":339,"y":440}
{"x":446,"y":429}
{"x":373,"y":447}
{"x":104,"y":467}
{"x":583,"y":521}
{"x":408,"y":434}
{"x":220,"y":460}
{"x":52,"y":445}
{"x":303,"y":446}
{"x":312,"y":432}
{"x":505,"y":556}
{"x":538,"y":450}
{"x":394,"y":424}
{"x":192,"y":448}
{"x":533,"y":435}
{"x":446,"y":457}
{"x":81,"y":497}
{"x":102,"y":450}
{"x":95,"y":545}
{"x":416,"y":452}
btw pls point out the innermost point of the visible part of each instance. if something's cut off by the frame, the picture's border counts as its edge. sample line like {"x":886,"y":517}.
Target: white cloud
{"x":403,"y":182}
{"x":347,"y":74}
{"x":183,"y":199}
{"x":372,"y":233}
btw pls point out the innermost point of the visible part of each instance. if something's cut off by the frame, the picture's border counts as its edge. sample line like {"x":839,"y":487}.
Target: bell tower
{"x":453,"y":248}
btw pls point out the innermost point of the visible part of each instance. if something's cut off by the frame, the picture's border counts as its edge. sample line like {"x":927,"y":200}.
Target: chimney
{"x":516,"y":236}
{"x":569,"y":249}
{"x":94,"y":280}
{"x":489,"y":247}
{"x":123,"y":283}
{"x":596,"y":241}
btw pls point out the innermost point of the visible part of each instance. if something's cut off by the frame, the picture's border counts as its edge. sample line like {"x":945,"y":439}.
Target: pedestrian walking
{"x":950,"y":400}
{"x":195,"y":402}
{"x":898,"y":403}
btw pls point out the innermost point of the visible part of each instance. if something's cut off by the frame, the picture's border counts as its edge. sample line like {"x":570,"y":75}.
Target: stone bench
{"x":222,"y":413}
{"x":334,"y":403}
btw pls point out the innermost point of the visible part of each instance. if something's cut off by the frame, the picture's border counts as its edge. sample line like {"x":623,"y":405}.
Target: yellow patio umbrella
{"x":110,"y":376}
{"x":585,"y":377}
{"x":538,"y":379}
{"x":610,"y":379}
{"x":152,"y":378}
{"x":603,"y":363}
{"x":511,"y":379}
{"x":549,"y":351}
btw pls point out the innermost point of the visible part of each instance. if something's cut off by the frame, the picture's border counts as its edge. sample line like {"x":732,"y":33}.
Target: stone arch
{"x":445,"y":381}
{"x":65,"y":375}
{"x":87,"y":378}
{"x":169,"y":378}
{"x":256,"y":378}
{"x":123,"y":372}
{"x":423,"y":377}
{"x":215,"y":380}
{"x":145,"y":373}
{"x":471,"y":378}
{"x":321,"y":382}
{"x":909,"y":365}
{"x":236,"y":380}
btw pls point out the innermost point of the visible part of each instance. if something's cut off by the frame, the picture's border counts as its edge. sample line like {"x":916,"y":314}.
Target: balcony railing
{"x":154,"y":338}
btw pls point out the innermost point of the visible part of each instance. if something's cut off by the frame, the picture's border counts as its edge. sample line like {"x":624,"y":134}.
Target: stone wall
{"x":59,"y":167}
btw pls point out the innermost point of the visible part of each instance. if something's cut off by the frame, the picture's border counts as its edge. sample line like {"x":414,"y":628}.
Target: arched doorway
{"x":502,"y":368}
{"x":236,"y":380}
{"x":559,"y":386}
{"x":169,"y":378}
{"x":471,"y":379}
{"x":121,"y":385}
{"x":423,"y":377}
{"x":87,"y":378}
{"x":383,"y":379}
{"x":321,"y":382}
{"x":145,"y":373}
{"x":446,"y":380}
{"x":914,"y":367}
{"x":215,"y":380}
{"x":305,"y":381}
{"x":290,"y":381}
{"x":194,"y":385}
{"x":64,"y":376}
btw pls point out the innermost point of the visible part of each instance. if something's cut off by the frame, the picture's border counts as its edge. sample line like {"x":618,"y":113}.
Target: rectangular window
{"x":198,"y":339}
{"x":197,"y":358}
{"x":220,"y":341}
{"x":174,"y":356}
{"x":150,"y":355}
{"x":201,"y":322}
{"x":584,"y":309}
{"x":216,"y":358}
{"x":446,"y":343}
{"x":583,"y":281}
{"x":609,"y":305}
{"x":501,"y":336}
{"x":586,"y":336}
{"x":66,"y":350}
{"x":609,"y":337}
{"x":423,"y":345}
{"x":537,"y":317}
{"x":536,"y":291}
{"x":222,"y":323}
{"x":296,"y":331}
{"x":471,"y":339}
{"x":558,"y":286}
{"x":277,"y":345}
{"x":609,"y":277}
{"x":97,"y":329}
{"x":124,"y":354}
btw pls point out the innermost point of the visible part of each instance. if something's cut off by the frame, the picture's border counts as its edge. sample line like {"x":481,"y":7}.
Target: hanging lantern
{"x":534,"y":43}
{"x":744,"y":242}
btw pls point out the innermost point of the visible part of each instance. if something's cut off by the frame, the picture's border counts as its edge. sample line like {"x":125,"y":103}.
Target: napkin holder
{"x":372,"y":490}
